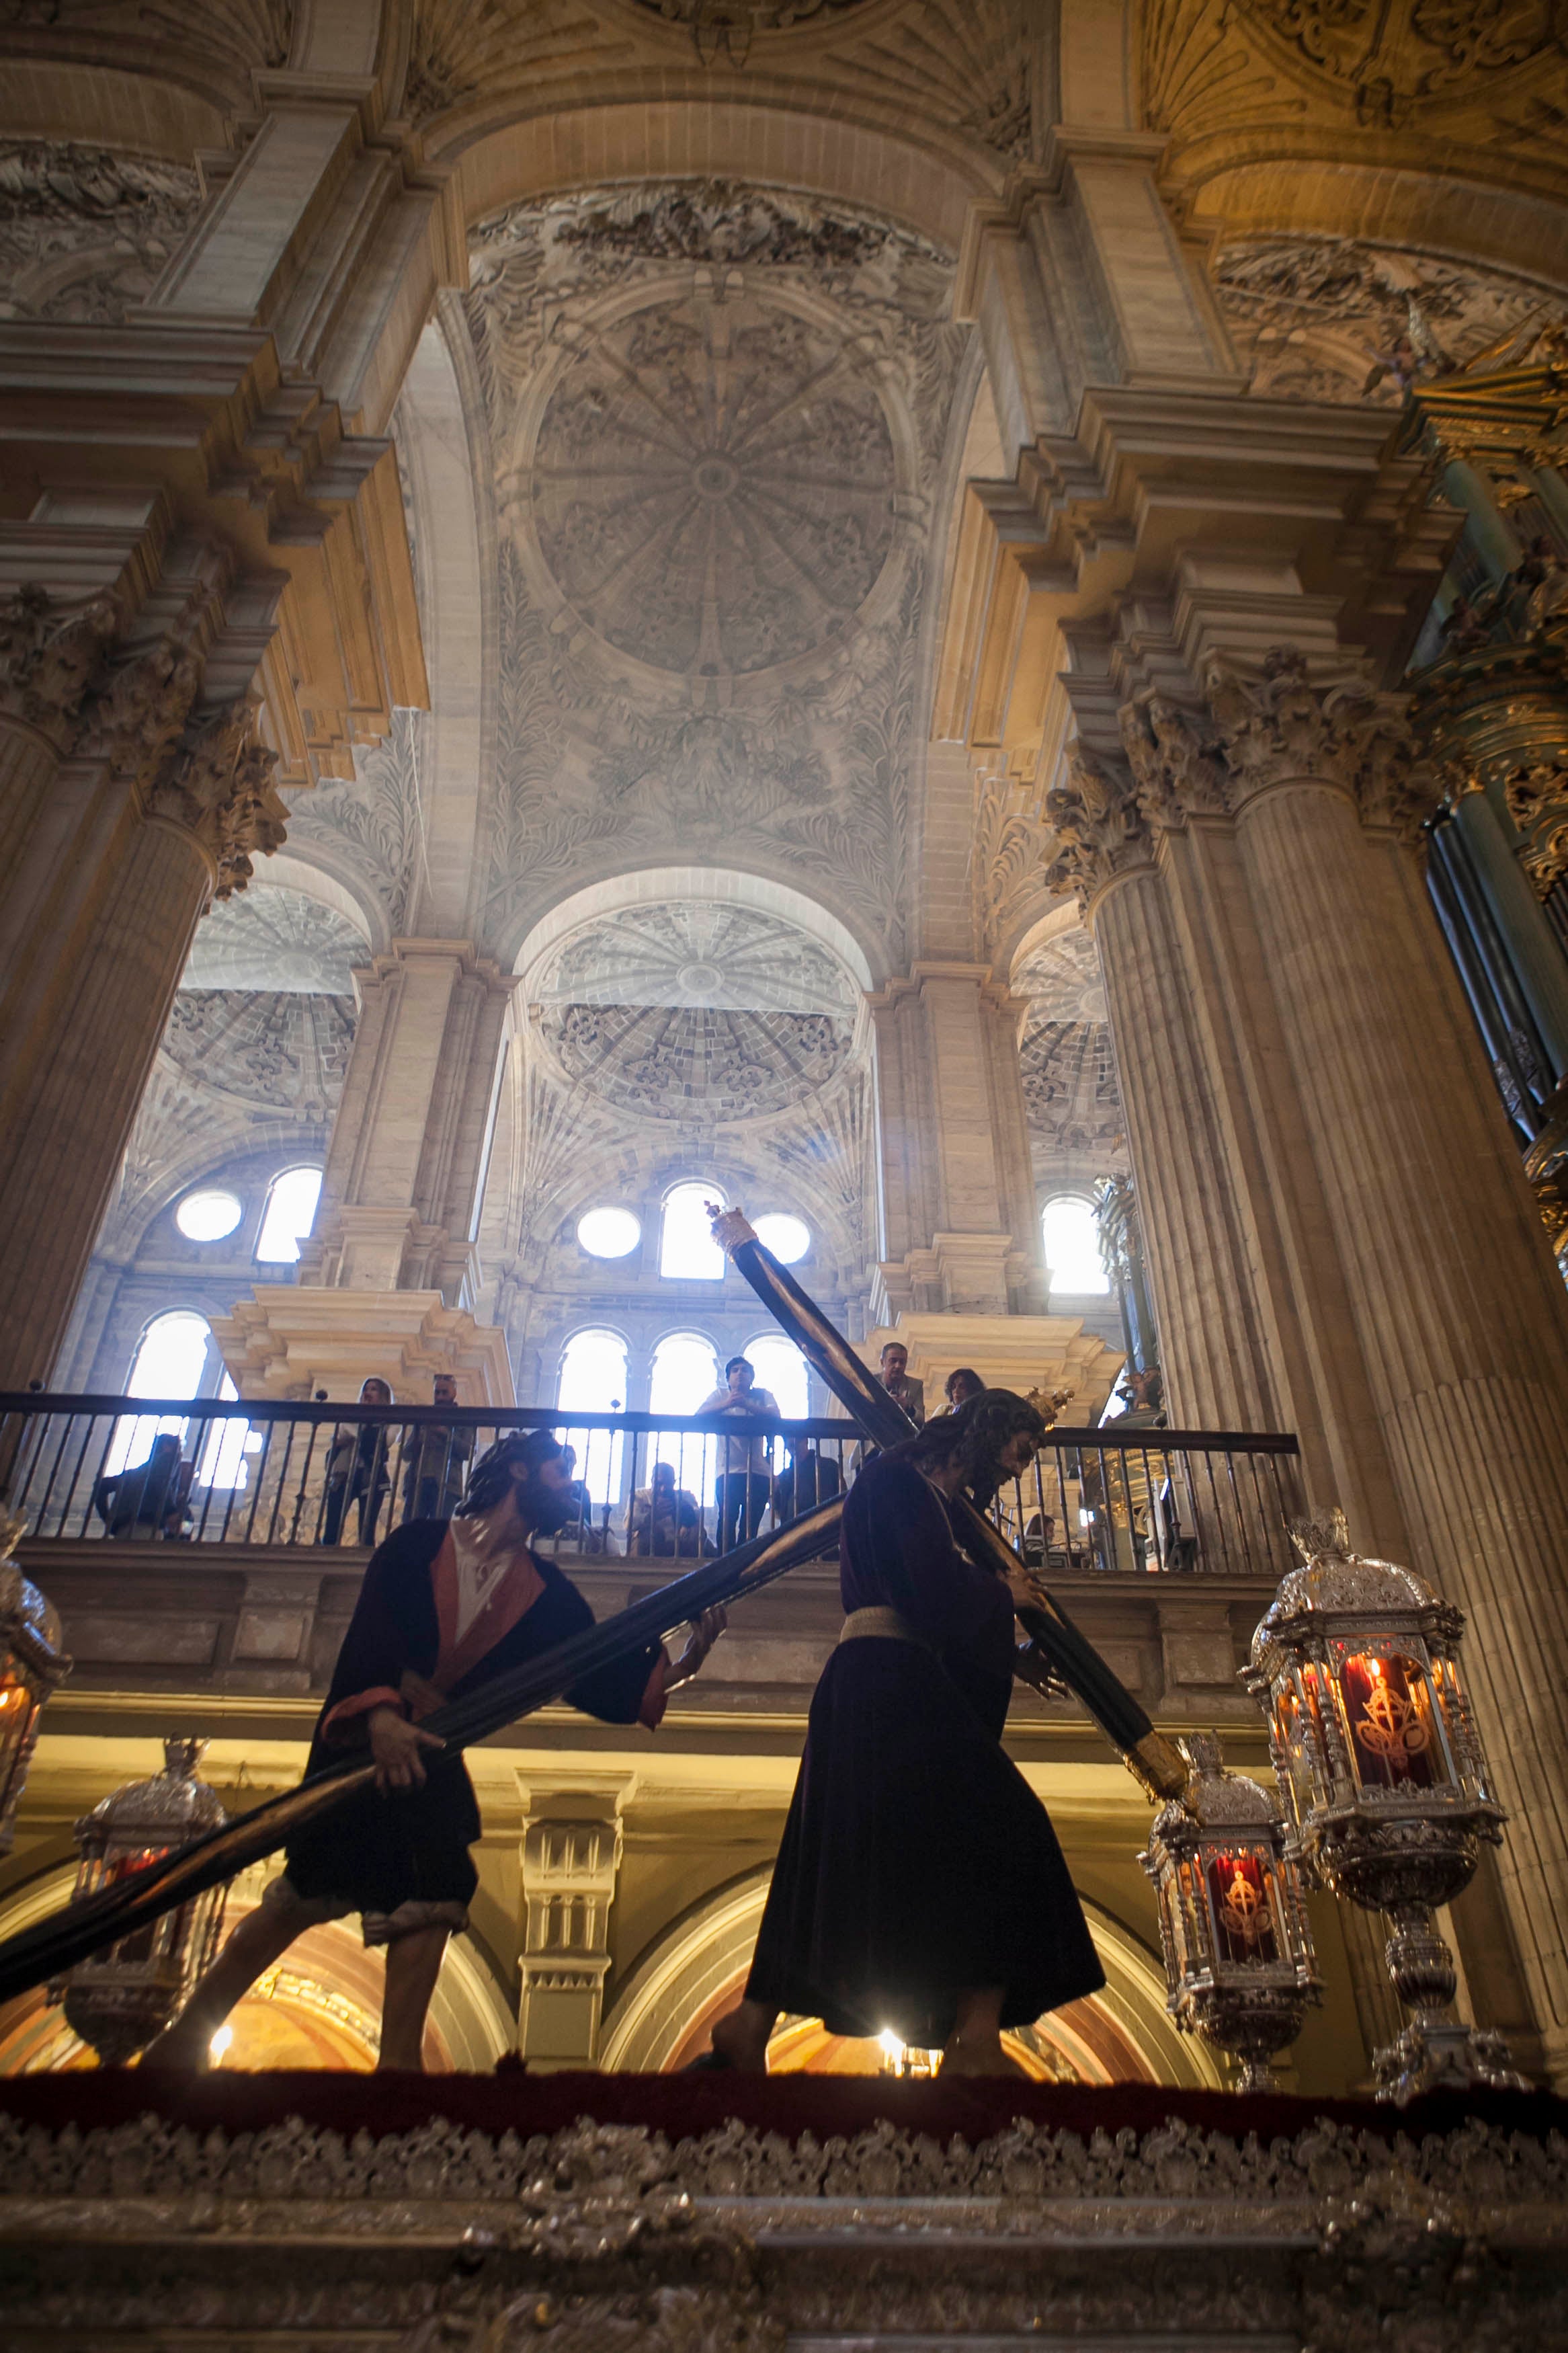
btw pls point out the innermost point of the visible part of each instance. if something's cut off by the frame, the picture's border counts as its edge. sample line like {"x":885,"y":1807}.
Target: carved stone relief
{"x":1325,"y":317}
{"x":1067,"y":1060}
{"x":276,"y":940}
{"x":84,"y":234}
{"x":966,"y":68}
{"x":1412,"y":50}
{"x":370,"y":821}
{"x":712,"y":410}
{"x":712,"y":485}
{"x":1220,"y":76}
{"x":697,"y":952}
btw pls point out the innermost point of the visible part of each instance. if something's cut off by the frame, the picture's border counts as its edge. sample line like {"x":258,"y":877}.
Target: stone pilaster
{"x":571,"y":1857}
{"x":956,"y":1193}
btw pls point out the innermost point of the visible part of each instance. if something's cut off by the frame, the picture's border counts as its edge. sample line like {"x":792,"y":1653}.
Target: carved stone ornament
{"x":1100,"y":827}
{"x":726,"y":27}
{"x":84,"y":232}
{"x":48,"y":655}
{"x":606,"y":2239}
{"x":219,"y":790}
{"x":1338,"y":319}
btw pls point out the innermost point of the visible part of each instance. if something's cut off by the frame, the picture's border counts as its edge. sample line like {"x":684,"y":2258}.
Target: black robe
{"x":916,"y":1860}
{"x":412,"y":1845}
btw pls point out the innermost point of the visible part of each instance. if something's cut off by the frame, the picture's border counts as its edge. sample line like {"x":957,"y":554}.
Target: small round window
{"x":788,"y":1237}
{"x":207,"y":1217}
{"x":609,"y":1233}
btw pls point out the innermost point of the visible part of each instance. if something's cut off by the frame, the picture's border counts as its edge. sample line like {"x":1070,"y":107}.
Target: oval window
{"x":609,"y":1233}
{"x":788,"y":1237}
{"x":207,"y":1217}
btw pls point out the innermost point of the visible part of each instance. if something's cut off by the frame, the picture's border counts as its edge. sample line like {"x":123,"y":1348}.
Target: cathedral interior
{"x":942,"y":621}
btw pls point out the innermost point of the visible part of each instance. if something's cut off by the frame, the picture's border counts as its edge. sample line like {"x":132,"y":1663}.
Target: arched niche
{"x":697,"y":1969}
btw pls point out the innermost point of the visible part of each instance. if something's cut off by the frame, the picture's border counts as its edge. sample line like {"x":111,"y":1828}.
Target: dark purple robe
{"x":916,"y":1860}
{"x":412,"y":1845}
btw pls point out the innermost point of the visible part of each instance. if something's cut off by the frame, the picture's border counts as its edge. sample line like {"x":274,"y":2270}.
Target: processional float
{"x":78,"y":1929}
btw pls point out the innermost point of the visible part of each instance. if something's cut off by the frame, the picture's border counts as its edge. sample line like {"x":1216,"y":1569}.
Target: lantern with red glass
{"x":120,"y":2000}
{"x":32,"y":1665}
{"x":1389,"y":1802}
{"x":1239,"y":1966}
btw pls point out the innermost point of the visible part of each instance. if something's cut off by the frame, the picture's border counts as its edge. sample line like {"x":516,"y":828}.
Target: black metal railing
{"x":149,"y":1471}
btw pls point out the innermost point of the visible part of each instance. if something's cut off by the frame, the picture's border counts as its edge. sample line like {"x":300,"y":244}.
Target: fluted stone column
{"x":1416,"y":1330}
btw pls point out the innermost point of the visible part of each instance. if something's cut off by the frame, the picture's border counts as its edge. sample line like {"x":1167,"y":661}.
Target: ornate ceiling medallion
{"x":729,"y":25}
{"x":713,"y":483}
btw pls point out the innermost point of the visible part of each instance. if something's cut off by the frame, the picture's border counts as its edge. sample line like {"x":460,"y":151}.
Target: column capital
{"x":218,"y":790}
{"x":1102,"y":831}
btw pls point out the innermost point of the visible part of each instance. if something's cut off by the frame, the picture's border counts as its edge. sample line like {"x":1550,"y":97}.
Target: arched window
{"x":780,"y":1367}
{"x":687,"y":1250}
{"x":594,"y":1380}
{"x":1072,"y":1247}
{"x":685,"y":1371}
{"x":171,"y":1361}
{"x":289,"y":1214}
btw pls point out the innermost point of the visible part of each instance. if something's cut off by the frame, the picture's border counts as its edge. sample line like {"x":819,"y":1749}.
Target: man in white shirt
{"x":741,"y":1490}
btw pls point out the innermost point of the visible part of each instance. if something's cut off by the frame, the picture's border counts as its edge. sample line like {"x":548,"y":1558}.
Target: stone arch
{"x":327,"y":1984}
{"x":698,"y":1965}
{"x":924,"y":180}
{"x":646,"y":885}
{"x":1386,"y":203}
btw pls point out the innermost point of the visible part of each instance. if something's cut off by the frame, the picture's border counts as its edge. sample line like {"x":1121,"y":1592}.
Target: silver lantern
{"x":1239,"y":1966}
{"x":122,"y":1998}
{"x":1357,"y":1666}
{"x":32,"y":1665}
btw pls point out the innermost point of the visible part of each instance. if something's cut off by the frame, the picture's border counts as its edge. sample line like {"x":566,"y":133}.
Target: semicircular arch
{"x":705,"y":1954}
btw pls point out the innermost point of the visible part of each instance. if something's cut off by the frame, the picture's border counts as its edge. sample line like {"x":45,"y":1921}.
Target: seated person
{"x":149,"y":1500}
{"x":809,"y":1479}
{"x":579,"y":1532}
{"x":666,"y":1522}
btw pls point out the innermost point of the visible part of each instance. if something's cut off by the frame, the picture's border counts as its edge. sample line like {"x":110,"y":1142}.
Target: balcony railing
{"x":152,"y":1470}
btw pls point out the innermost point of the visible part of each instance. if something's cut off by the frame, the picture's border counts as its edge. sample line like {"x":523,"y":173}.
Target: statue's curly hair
{"x":976,"y":1432}
{"x":525,"y":1449}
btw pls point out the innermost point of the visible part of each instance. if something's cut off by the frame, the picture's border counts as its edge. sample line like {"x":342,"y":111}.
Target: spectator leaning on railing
{"x":741,"y":1490}
{"x":436,"y":1460}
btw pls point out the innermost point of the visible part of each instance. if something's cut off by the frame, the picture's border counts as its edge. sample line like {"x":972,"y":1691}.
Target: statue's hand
{"x":731,"y":1228}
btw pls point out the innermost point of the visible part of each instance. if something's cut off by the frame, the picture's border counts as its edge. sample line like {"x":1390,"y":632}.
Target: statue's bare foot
{"x":742,"y":2042}
{"x":180,"y":2049}
{"x":983,"y":2056}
